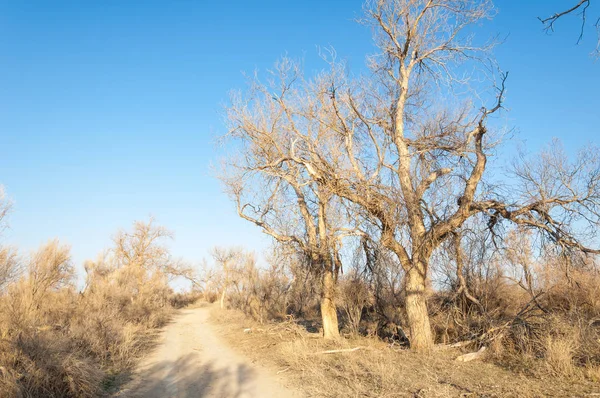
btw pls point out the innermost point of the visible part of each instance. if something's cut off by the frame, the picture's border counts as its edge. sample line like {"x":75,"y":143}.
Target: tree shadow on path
{"x":185,"y":378}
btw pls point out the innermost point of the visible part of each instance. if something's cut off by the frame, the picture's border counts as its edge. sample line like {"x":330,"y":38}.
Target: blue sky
{"x":109,"y":109}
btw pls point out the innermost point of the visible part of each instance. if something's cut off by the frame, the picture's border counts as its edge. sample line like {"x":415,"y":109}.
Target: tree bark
{"x":421,"y":339}
{"x":328,"y":307}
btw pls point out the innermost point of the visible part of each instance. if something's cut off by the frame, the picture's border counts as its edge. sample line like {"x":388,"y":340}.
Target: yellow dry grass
{"x":378,"y":369}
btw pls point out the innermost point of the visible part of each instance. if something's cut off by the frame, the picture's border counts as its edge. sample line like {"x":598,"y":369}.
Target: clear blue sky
{"x":109,"y":109}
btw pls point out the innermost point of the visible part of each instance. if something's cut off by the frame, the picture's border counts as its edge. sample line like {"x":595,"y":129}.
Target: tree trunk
{"x":223,"y":299}
{"x":416,"y":309}
{"x":328,"y":308}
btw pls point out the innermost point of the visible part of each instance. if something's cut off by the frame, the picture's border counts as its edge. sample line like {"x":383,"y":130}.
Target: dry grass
{"x":559,"y":355}
{"x":378,"y":369}
{"x":592,"y":372}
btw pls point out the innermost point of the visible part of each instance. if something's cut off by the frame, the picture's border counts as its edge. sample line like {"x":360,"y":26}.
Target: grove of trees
{"x":400,"y":157}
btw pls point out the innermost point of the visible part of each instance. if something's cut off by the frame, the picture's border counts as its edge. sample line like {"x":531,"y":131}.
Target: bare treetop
{"x":143,"y":248}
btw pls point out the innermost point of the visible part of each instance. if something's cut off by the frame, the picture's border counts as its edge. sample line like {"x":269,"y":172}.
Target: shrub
{"x":56,"y":342}
{"x":354,"y":297}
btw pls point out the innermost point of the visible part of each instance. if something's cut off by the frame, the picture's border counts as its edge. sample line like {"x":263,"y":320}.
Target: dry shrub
{"x":304,"y":289}
{"x":210,"y":296}
{"x":548,"y":322}
{"x":38,"y":355}
{"x":56,"y":342}
{"x":556,"y":333}
{"x":260,"y":293}
{"x":104,"y":334}
{"x":181,"y":300}
{"x":536,"y":313}
{"x":47,"y":365}
{"x":354,"y":296}
{"x":592,"y":372}
{"x":559,"y":355}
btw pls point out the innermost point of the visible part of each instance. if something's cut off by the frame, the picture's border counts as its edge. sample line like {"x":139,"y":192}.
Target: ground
{"x":379,"y":369}
{"x":208,"y":352}
{"x":190,"y":360}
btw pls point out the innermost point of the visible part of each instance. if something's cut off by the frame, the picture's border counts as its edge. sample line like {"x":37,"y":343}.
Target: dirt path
{"x":191,"y":361}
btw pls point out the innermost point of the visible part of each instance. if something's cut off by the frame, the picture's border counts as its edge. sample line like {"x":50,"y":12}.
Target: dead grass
{"x":381,"y":370}
{"x":592,"y":372}
{"x":559,"y":355}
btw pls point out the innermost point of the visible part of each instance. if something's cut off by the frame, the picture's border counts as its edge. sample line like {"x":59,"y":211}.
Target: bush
{"x":56,"y":342}
{"x":354,"y":297}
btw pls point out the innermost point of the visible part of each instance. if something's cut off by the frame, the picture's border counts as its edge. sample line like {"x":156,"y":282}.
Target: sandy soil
{"x":192,"y":361}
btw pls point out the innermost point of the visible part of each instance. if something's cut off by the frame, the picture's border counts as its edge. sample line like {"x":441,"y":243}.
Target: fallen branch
{"x":337,"y":351}
{"x":471,"y":356}
{"x":459,"y":344}
{"x":489,"y":335}
{"x":251,"y":330}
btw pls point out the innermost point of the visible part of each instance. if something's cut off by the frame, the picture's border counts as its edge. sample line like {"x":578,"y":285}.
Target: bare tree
{"x":431,"y":157}
{"x":5,"y":206}
{"x":139,"y":265}
{"x":142,"y":248}
{"x":276,"y":192}
{"x":227,"y":258}
{"x":143,"y":252}
{"x":10,"y":267}
{"x":200,"y":277}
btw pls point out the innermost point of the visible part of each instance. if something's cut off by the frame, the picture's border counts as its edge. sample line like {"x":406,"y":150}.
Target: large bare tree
{"x":432,"y":156}
{"x":408,"y":145}
{"x":272,"y":190}
{"x":415,"y":159}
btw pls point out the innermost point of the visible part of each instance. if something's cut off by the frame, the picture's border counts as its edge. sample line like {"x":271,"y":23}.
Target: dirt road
{"x":191,"y":361}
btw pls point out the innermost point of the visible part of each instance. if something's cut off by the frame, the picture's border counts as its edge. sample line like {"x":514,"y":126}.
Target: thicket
{"x":58,"y":341}
{"x":535,"y":313}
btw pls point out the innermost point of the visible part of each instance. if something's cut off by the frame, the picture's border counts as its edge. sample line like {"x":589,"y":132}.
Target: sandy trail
{"x":191,"y":361}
